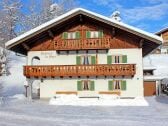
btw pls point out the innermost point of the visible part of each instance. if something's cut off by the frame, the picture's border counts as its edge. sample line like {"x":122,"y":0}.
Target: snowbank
{"x":19,"y":96}
{"x":104,"y":100}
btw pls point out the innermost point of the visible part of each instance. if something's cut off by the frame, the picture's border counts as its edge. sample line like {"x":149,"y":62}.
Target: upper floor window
{"x":85,"y":60}
{"x":71,"y":35}
{"x":116,"y":59}
{"x":94,"y":34}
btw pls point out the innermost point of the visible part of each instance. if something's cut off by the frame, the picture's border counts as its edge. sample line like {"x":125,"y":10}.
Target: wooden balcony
{"x":80,"y":70}
{"x":82,"y":44}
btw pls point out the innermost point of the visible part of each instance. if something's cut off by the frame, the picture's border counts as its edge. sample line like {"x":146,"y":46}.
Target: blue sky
{"x":149,"y":15}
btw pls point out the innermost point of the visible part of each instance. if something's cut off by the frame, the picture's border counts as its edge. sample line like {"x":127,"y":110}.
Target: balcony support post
{"x":30,"y":82}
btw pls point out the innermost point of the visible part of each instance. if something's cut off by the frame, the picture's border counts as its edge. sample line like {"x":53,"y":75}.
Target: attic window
{"x":94,"y":34}
{"x":71,"y":35}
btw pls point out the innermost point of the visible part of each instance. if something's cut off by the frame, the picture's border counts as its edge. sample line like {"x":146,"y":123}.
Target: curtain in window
{"x":86,"y":85}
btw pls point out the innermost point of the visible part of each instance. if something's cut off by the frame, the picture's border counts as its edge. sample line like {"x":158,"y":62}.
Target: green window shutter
{"x":78,"y":60}
{"x":87,"y":34}
{"x":110,"y":85}
{"x":124,"y":59}
{"x":79,"y":85}
{"x":123,"y":85}
{"x":101,"y":34}
{"x":93,"y":59}
{"x":109,"y":59}
{"x":65,"y":35}
{"x":77,"y":35}
{"x":92,"y":86}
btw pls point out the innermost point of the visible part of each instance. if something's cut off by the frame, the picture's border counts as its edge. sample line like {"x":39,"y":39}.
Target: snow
{"x":14,"y":83}
{"x":160,"y":62}
{"x":103,"y":100}
{"x":38,"y":112}
{"x":19,"y":96}
{"x":57,"y":20}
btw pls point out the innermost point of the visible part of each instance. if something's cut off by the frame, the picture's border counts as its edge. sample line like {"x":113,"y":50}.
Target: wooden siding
{"x":110,"y":92}
{"x":165,"y":35}
{"x":80,"y":70}
{"x":112,"y":39}
{"x":67,"y":92}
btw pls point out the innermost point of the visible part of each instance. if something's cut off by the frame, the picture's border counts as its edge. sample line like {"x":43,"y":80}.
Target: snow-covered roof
{"x":149,"y":68}
{"x":53,"y":22}
{"x":154,"y":78}
{"x":161,"y":31}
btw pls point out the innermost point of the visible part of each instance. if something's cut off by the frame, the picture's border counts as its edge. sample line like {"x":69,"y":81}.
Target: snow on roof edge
{"x":51,"y":22}
{"x":161,"y":31}
{"x":154,"y":78}
{"x":149,"y":68}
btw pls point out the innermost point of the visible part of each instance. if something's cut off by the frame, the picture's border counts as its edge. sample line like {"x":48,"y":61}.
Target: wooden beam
{"x":141,"y":43}
{"x":25,"y":46}
{"x":50,"y":33}
{"x":80,"y":18}
{"x":113,"y":32}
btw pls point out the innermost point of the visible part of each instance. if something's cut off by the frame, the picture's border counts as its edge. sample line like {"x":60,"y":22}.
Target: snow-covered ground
{"x":39,"y":113}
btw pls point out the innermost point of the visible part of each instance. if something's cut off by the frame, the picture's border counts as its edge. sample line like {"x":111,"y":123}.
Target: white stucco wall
{"x":49,"y":86}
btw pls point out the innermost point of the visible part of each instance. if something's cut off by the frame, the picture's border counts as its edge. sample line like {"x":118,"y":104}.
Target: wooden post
{"x":141,"y":43}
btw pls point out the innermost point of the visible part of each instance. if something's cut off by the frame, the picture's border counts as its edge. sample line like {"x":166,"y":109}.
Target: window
{"x":148,"y":72}
{"x":71,"y":35}
{"x":85,"y":85}
{"x":116,"y":59}
{"x":117,"y":85}
{"x":85,"y":60}
{"x":94,"y":34}
{"x":35,"y":60}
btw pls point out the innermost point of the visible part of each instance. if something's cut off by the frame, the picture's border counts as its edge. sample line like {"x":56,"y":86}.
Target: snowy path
{"x":40,"y":113}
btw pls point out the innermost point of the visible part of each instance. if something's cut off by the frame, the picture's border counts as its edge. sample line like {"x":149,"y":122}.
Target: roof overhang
{"x":46,"y":26}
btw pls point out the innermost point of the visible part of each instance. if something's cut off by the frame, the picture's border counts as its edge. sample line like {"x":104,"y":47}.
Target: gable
{"x":46,"y":37}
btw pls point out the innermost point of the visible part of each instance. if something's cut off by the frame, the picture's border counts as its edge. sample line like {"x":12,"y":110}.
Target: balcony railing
{"x":80,"y":70}
{"x":78,"y":44}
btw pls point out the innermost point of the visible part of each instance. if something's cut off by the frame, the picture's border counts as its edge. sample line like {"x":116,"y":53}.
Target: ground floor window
{"x":117,"y":85}
{"x":85,"y":85}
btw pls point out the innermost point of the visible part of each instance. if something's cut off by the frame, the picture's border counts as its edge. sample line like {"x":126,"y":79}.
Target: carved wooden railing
{"x":78,"y":44}
{"x":80,"y":70}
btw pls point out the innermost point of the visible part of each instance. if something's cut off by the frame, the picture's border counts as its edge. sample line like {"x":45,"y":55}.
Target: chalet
{"x":86,"y":54}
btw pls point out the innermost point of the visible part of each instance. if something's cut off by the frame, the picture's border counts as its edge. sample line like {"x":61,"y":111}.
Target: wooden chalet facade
{"x":85,"y":53}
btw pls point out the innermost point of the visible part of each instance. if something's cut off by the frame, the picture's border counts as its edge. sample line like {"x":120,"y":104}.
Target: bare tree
{"x":14,"y":22}
{"x":45,"y":10}
{"x":9,"y":17}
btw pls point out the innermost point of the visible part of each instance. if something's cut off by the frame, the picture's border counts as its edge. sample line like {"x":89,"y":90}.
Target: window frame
{"x":86,"y":85}
{"x":97,"y":34}
{"x":73,"y":35}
